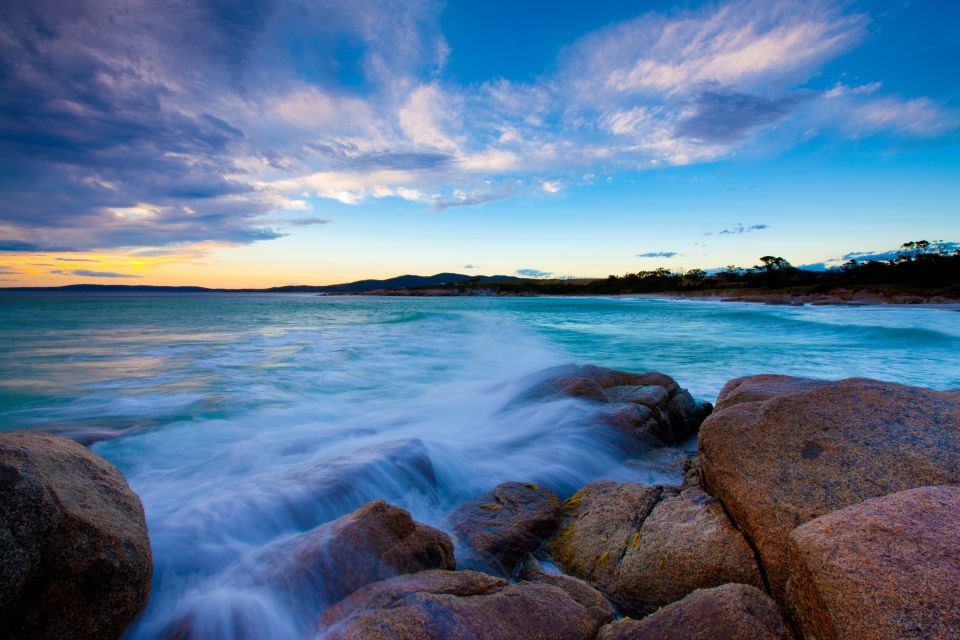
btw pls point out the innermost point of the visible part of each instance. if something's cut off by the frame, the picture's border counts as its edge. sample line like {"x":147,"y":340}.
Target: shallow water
{"x":244,"y":419}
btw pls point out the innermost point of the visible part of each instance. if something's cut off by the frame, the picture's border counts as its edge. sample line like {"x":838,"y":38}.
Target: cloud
{"x":141,"y":126}
{"x":304,"y":222}
{"x":8,"y":271}
{"x":470,"y":266}
{"x":739,"y":229}
{"x":534,"y":273}
{"x":658,"y":254}
{"x":75,"y":260}
{"x":86,"y":273}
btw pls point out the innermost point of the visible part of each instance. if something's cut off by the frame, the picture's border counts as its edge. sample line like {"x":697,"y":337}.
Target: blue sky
{"x":276,"y":141}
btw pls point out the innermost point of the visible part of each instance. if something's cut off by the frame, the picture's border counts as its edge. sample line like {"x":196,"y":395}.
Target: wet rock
{"x":502,"y":526}
{"x":888,"y":567}
{"x":646,"y":546}
{"x":779,"y":463}
{"x":727,"y":612}
{"x":76,"y":560}
{"x":649,"y":406}
{"x":462,"y":605}
{"x":763,"y":387}
{"x":375,"y":542}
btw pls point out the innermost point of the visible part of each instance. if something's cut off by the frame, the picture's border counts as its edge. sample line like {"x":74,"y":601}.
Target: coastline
{"x":802,"y":300}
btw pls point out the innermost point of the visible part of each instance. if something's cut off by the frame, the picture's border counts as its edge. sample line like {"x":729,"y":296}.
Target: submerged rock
{"x":323,"y":565}
{"x":462,"y":605}
{"x":505,"y":524}
{"x":76,"y":560}
{"x":780,"y":462}
{"x":727,"y":612}
{"x":888,"y":567}
{"x":650,"y":406}
{"x":646,"y":546}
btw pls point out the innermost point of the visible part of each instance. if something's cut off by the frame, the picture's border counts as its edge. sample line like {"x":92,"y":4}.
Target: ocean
{"x":243,"y":419}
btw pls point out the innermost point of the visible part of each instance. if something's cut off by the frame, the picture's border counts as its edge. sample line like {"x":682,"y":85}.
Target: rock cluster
{"x":814,"y":509}
{"x":779,"y":462}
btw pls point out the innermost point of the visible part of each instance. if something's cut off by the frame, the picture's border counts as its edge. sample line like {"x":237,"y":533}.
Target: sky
{"x":269,"y":142}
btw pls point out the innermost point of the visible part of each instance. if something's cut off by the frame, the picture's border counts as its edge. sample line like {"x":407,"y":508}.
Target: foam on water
{"x":243,"y":420}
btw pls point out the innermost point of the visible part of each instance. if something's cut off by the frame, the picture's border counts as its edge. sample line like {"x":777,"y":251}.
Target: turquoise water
{"x":244,"y":419}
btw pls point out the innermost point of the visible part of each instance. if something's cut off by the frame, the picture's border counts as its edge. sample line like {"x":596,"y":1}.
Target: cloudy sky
{"x":264,"y":142}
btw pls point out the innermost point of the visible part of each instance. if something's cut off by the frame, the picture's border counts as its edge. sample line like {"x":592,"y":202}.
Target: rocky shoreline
{"x":811,"y":510}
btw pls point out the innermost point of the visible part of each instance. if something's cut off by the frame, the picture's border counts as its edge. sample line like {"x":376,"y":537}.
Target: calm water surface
{"x":244,"y":419}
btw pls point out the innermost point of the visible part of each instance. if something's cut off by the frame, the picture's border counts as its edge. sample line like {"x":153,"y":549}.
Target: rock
{"x":646,"y":546}
{"x":649,"y":406}
{"x":779,"y":463}
{"x":763,"y":387}
{"x":502,"y":526}
{"x":888,"y":567}
{"x":686,"y":415}
{"x":375,"y":542}
{"x":76,"y":560}
{"x":594,"y":601}
{"x":462,"y":605}
{"x":728,"y":612}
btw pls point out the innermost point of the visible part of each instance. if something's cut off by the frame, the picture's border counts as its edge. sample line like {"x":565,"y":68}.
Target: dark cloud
{"x":721,"y":117}
{"x":8,"y":271}
{"x":343,"y":155}
{"x":534,"y":273}
{"x":658,"y":254}
{"x":31,"y":247}
{"x":75,"y":260}
{"x":468,"y":199}
{"x":304,"y":222}
{"x":86,"y":273}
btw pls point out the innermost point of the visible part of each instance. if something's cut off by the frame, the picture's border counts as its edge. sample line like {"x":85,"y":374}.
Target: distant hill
{"x":399,"y":282}
{"x":360,"y":286}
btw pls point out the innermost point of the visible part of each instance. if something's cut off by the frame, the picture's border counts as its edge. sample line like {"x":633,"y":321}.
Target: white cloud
{"x":424,"y":117}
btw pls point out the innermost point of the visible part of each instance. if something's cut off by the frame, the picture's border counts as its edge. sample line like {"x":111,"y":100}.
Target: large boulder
{"x":763,"y":387}
{"x":646,"y":546}
{"x":76,"y":559}
{"x":888,"y":567}
{"x":780,"y":462}
{"x":727,"y":612}
{"x":650,"y":406}
{"x":504,"y":525}
{"x":461,"y":605}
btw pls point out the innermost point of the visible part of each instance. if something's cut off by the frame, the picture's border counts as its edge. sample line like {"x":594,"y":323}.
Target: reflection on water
{"x":244,"y":419}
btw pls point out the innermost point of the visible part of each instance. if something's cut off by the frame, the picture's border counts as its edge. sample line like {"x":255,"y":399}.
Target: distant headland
{"x":921,"y":272}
